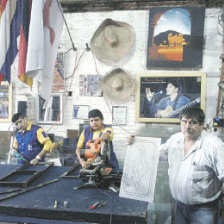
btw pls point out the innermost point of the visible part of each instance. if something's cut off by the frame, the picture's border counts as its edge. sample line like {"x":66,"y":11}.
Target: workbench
{"x":38,"y":204}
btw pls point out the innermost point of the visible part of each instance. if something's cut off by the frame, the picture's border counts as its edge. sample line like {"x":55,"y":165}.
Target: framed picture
{"x":5,"y":102}
{"x":89,"y":85}
{"x":119,"y":115}
{"x":59,"y":74}
{"x":163,"y":96}
{"x":80,"y":112}
{"x":175,"y":37}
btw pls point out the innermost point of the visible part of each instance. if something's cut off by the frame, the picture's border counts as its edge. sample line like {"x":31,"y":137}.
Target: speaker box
{"x":22,"y":107}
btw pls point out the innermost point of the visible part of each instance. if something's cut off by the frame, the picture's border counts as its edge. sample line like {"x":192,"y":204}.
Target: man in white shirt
{"x":196,"y":170}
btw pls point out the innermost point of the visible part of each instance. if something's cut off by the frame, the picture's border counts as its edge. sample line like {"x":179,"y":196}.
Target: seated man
{"x":31,"y":142}
{"x":96,"y":129}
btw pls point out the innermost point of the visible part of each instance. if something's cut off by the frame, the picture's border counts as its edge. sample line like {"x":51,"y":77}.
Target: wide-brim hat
{"x":118,"y":85}
{"x":112,"y":41}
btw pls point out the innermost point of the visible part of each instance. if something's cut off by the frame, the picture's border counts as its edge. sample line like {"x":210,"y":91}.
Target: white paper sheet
{"x":140,"y":169}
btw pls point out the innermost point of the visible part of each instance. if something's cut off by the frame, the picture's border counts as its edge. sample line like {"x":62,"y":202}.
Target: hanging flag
{"x":0,"y":10}
{"x":9,"y":31}
{"x":24,"y":33}
{"x":46,"y":25}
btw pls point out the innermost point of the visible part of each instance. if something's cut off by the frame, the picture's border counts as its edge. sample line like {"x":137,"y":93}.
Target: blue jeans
{"x":208,"y":213}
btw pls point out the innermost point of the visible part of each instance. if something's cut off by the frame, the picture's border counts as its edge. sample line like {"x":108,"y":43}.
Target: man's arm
{"x":81,"y":161}
{"x":46,"y":141}
{"x":108,"y":134}
{"x":79,"y":146}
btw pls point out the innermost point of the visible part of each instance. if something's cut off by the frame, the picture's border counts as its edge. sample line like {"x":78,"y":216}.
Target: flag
{"x":9,"y":31}
{"x":23,"y":42}
{"x":46,"y":25}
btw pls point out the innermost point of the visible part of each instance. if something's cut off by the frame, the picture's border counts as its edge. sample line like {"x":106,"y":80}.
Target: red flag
{"x":24,"y":33}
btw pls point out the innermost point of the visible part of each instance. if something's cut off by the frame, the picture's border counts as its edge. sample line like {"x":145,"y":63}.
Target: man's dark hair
{"x":17,"y":116}
{"x":174,"y":82}
{"x":194,"y":113}
{"x":95,"y":113}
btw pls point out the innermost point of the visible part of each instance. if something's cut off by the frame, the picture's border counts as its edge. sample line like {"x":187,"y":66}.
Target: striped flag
{"x":46,"y":25}
{"x":9,"y":31}
{"x":24,"y":33}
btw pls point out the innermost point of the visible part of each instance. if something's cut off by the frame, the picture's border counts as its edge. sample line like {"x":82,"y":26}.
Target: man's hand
{"x":130,"y":139}
{"x":34,"y":161}
{"x":83,"y":163}
{"x":105,"y":136}
{"x":12,"y":152}
{"x":149,"y":94}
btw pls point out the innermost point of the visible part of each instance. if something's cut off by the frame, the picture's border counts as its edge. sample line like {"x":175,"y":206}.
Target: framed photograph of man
{"x":175,"y":37}
{"x":5,"y":102}
{"x":162,"y":96}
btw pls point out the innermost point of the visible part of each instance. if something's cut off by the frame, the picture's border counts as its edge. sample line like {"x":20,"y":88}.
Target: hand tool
{"x":94,"y":205}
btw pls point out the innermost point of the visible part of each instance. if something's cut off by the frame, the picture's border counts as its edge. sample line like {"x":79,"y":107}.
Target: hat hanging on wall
{"x":112,"y":41}
{"x":118,"y":86}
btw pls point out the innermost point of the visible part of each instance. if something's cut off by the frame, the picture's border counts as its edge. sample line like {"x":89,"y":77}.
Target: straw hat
{"x":112,"y":41}
{"x":118,"y":85}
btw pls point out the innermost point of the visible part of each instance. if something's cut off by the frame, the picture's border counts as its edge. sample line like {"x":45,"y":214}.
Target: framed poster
{"x":119,"y":115}
{"x":80,"y":112}
{"x":163,"y":96}
{"x":175,"y":38}
{"x":89,"y":85}
{"x":5,"y":102}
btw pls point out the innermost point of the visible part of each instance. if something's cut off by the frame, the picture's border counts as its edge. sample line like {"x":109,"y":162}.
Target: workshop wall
{"x":82,"y":26}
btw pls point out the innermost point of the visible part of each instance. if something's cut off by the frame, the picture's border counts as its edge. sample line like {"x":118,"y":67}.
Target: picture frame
{"x":5,"y":101}
{"x":119,"y":115}
{"x":51,"y":112}
{"x":89,"y":85}
{"x":175,"y":37}
{"x":162,"y":96}
{"x":80,"y":112}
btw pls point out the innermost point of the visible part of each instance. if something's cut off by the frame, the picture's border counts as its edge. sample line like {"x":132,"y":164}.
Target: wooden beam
{"x":112,"y":5}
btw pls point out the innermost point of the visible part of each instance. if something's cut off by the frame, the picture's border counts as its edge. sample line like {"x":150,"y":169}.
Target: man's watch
{"x":38,"y":157}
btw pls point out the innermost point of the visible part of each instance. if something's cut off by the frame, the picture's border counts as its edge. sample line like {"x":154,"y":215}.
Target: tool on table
{"x":102,"y":204}
{"x":91,"y":207}
{"x":55,"y":204}
{"x":66,"y":204}
{"x":98,"y":171}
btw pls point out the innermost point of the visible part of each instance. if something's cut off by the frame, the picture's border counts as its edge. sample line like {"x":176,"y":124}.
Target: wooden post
{"x":220,"y":91}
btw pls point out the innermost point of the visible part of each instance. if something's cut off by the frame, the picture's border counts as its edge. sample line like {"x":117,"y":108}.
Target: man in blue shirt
{"x":31,"y":141}
{"x":169,"y":106}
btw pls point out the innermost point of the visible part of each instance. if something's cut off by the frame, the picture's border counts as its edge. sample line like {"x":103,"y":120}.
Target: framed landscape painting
{"x":161,"y":97}
{"x":175,"y":37}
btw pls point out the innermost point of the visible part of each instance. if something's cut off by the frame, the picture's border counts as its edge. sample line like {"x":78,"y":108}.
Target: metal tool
{"x":91,"y":207}
{"x":98,"y":172}
{"x":19,"y":156}
{"x":102,"y":204}
{"x":55,"y":204}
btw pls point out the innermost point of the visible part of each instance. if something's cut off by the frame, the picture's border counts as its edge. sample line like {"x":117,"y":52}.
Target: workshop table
{"x":37,"y":205}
